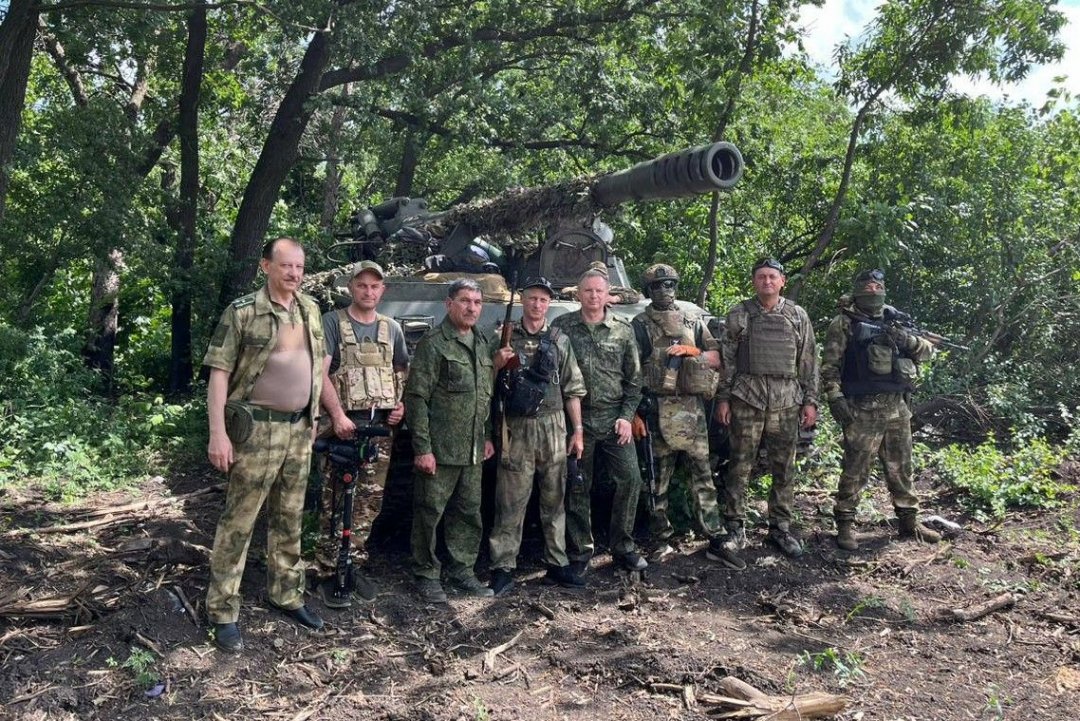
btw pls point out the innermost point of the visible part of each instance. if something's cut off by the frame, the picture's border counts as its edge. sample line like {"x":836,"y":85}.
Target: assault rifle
{"x":347,"y":458}
{"x":647,"y":409}
{"x":905,"y":321}
{"x":504,"y":376}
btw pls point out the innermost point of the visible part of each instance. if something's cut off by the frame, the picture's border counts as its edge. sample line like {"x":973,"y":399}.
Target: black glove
{"x":841,"y":411}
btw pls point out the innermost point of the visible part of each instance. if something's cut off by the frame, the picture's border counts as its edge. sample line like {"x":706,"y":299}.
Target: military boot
{"x":845,"y":534}
{"x":911,"y":528}
{"x":725,"y":549}
{"x":781,"y":536}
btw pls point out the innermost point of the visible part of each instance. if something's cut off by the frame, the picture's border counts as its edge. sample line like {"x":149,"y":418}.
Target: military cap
{"x":369,"y":265}
{"x":539,"y":282}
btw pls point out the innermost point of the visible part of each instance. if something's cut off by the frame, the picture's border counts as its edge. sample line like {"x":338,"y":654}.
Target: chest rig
{"x":769,"y":345}
{"x":365,"y":378}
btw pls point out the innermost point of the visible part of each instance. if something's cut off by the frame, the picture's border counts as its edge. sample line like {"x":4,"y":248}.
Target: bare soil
{"x":875,"y":626}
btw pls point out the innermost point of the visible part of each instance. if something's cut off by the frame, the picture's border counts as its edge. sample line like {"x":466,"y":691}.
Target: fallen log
{"x":983,"y":609}
{"x":743,"y":701}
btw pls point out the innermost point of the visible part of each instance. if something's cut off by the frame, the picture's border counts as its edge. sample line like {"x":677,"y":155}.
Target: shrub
{"x":55,"y":428}
{"x":993,"y":480}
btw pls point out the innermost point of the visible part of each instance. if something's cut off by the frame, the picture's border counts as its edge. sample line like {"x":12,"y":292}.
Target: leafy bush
{"x":994,"y":480}
{"x":55,"y":428}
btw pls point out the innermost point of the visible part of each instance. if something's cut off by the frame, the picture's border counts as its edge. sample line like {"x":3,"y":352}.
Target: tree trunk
{"x":279,"y":154}
{"x":746,"y":66}
{"x":410,"y":159}
{"x":17,"y":33}
{"x":104,"y":313}
{"x":180,"y":372}
{"x":332,"y":187}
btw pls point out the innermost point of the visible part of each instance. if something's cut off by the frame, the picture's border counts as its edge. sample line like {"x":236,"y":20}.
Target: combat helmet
{"x":656,"y":273}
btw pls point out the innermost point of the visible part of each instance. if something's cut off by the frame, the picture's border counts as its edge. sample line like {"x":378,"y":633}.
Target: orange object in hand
{"x":688,"y":351}
{"x":637,"y":427}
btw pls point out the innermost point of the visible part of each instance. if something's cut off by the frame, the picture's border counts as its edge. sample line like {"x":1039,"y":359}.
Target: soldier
{"x":608,"y":358}
{"x":868,"y":370}
{"x":769,"y":386}
{"x":265,"y":362}
{"x":668,"y":336}
{"x":447,"y":403}
{"x":543,"y":393}
{"x":364,"y":373}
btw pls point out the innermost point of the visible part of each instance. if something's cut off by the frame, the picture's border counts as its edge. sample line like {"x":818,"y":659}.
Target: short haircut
{"x":462,"y":284}
{"x":268,"y":248}
{"x":595,"y":273}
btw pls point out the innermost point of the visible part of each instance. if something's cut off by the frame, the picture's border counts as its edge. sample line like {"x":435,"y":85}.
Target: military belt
{"x":268,"y":414}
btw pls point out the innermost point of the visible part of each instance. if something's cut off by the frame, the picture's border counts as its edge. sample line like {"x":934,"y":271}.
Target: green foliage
{"x":140,"y":663}
{"x":846,"y":666}
{"x":992,"y":480}
{"x":56,"y":429}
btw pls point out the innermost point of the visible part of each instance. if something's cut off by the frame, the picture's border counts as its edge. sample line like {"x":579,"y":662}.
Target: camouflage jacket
{"x":607,"y":355}
{"x":832,"y":356}
{"x":769,"y":392}
{"x":247,"y":334}
{"x":448,"y":395}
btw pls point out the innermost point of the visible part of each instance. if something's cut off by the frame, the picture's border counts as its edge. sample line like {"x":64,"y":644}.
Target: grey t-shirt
{"x":332,"y":331}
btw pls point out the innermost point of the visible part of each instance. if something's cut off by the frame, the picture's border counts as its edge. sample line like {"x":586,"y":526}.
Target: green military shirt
{"x":568,"y":384}
{"x":607,"y":355}
{"x":448,"y":395}
{"x":769,"y":392}
{"x":247,"y":334}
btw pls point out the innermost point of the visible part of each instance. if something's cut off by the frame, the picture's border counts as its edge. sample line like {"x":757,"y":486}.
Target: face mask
{"x":871,"y":304}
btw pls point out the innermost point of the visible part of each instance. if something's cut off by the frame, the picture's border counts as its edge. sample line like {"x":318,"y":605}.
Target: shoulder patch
{"x":244,"y":301}
{"x":218,"y":338}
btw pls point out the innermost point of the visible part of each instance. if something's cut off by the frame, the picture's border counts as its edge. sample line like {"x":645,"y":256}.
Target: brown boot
{"x":911,"y":528}
{"x":845,"y":535}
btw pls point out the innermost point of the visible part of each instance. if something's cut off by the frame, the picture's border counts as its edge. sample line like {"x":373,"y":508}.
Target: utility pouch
{"x":907,"y":371}
{"x":238,"y":422}
{"x":526,"y":394}
{"x":880,"y":359}
{"x":696,"y":378}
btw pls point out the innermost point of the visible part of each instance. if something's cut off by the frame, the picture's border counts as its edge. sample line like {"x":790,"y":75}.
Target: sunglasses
{"x":665,"y":284}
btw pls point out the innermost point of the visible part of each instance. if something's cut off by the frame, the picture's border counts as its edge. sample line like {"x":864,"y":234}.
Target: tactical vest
{"x":365,"y":378}
{"x":869,"y":348}
{"x":770,"y":343}
{"x":667,"y":328}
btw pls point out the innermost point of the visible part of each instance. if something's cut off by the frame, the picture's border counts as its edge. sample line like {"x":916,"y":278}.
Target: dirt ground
{"x":105,"y":621}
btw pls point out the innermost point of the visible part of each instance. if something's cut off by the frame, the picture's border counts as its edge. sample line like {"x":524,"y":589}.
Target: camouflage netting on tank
{"x":507,"y":217}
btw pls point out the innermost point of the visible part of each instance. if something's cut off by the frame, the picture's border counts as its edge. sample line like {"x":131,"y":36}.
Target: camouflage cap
{"x":868,"y":276}
{"x":768,"y":263}
{"x":368,"y":265}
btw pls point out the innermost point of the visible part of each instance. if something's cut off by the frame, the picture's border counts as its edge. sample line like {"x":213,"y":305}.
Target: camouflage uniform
{"x":608,"y":358}
{"x":680,"y":415}
{"x":536,"y":446}
{"x":272,"y":465}
{"x":447,"y":404}
{"x":765,"y":406}
{"x":882,"y":420}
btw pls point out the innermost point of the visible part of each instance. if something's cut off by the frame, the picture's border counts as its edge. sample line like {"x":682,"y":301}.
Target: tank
{"x":553,"y":230}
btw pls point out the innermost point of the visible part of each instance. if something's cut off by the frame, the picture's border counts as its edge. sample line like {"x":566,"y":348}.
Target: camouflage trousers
{"x":537,"y":447}
{"x":272,"y":466}
{"x":779,"y":431}
{"x":622,"y":470}
{"x":453,"y":496}
{"x":699,"y":482}
{"x":882,"y":430}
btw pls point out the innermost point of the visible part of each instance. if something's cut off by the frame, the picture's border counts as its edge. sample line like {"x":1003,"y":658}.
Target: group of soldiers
{"x":583,"y":387}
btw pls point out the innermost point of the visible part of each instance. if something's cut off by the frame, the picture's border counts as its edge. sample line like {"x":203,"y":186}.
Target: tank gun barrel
{"x":676,"y":175}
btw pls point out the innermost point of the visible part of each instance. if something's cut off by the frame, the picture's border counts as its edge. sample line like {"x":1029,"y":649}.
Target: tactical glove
{"x":904,"y":341}
{"x":637,"y":427}
{"x":687,"y":351}
{"x":841,"y":411}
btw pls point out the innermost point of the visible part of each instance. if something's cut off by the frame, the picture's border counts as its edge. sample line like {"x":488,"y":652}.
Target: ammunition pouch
{"x":239,"y":422}
{"x":696,"y":378}
{"x":525,"y":388}
{"x":879,"y":358}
